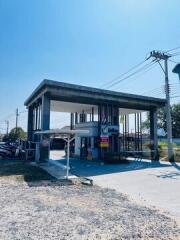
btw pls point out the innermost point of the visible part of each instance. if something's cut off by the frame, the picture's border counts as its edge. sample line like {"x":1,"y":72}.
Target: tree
{"x":15,"y":134}
{"x":5,"y":138}
{"x":176,"y":120}
{"x":161,"y":116}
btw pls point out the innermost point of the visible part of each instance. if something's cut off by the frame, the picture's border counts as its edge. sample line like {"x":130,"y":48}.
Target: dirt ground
{"x":35,"y":206}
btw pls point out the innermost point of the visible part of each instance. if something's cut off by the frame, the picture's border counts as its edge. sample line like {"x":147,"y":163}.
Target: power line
{"x":138,"y":75}
{"x":173,"y":84}
{"x":11,"y":115}
{"x":174,"y":90}
{"x":17,"y":115}
{"x":132,"y":74}
{"x":159,"y":94}
{"x":114,"y":81}
{"x":7,"y":117}
{"x":155,"y":91}
{"x":175,"y":96}
{"x":175,"y":54}
{"x":173,"y":61}
{"x":173,"y":49}
{"x":160,"y":87}
{"x":174,"y":87}
{"x":123,"y":74}
{"x":25,"y":111}
{"x":174,"y":93}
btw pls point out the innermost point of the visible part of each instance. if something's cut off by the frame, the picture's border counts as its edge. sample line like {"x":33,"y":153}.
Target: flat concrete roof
{"x":66,"y":92}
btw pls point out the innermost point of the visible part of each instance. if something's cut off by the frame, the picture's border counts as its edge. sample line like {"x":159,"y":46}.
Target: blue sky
{"x":86,"y":42}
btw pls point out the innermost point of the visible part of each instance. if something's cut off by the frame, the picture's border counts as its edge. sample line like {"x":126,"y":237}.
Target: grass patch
{"x":22,"y":171}
{"x":163,"y":151}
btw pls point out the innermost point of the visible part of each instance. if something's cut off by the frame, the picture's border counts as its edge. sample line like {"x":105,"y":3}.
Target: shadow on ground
{"x":173,"y":174}
{"x":18,"y":170}
{"x":22,"y":171}
{"x":87,"y":168}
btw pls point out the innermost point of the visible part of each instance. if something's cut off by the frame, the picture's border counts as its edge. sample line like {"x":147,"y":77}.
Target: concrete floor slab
{"x":159,"y":187}
{"x":153,"y":183}
{"x":56,"y":169}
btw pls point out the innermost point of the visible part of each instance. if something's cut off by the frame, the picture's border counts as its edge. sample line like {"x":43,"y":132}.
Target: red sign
{"x":104,"y":141}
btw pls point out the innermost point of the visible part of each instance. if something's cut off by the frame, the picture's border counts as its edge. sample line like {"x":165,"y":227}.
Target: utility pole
{"x":163,"y":56}
{"x":17,"y":115}
{"x":7,"y":123}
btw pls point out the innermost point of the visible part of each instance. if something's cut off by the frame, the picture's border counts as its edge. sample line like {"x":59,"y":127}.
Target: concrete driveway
{"x":152,"y":183}
{"x":158,"y":186}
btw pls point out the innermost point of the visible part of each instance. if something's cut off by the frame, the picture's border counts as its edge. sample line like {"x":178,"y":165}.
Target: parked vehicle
{"x":10,"y":150}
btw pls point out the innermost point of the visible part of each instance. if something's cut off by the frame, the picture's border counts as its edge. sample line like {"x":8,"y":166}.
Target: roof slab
{"x":60,"y":91}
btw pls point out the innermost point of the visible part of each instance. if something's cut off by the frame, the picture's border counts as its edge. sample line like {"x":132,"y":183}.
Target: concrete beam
{"x":85,"y":97}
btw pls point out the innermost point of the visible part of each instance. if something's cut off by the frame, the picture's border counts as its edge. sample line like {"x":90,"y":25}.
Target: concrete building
{"x":104,"y":113}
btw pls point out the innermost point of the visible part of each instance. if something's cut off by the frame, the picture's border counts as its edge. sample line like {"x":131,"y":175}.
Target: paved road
{"x":154,"y":183}
{"x":158,"y":186}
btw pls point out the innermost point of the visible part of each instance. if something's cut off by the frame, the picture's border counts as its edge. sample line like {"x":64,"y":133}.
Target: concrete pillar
{"x":76,"y":118}
{"x":153,"y":134}
{"x":92,"y":114}
{"x":72,"y":121}
{"x":30,"y":124}
{"x":45,"y":112}
{"x":99,"y":128}
{"x":36,"y":109}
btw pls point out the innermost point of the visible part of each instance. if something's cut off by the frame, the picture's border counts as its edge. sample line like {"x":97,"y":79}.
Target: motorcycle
{"x":10,"y":150}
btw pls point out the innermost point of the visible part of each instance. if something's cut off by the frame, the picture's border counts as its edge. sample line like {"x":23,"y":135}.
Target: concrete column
{"x":99,"y":128}
{"x":45,"y":112}
{"x":30,"y":124}
{"x":153,"y":134}
{"x":76,"y":118}
{"x":36,"y":109}
{"x":72,"y":121}
{"x":92,"y":114}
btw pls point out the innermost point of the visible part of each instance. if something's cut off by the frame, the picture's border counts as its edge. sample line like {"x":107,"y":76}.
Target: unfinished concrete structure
{"x":102,"y":112}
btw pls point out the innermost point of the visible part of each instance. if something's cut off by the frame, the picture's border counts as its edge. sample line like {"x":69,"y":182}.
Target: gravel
{"x":58,"y":210}
{"x":34,"y":206}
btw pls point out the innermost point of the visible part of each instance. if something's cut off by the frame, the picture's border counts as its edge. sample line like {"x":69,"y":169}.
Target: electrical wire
{"x":174,"y":87}
{"x":7,"y":117}
{"x":157,"y":94}
{"x":25,"y":111}
{"x":114,"y":81}
{"x":123,"y":74}
{"x":175,"y":96}
{"x":160,"y":90}
{"x":132,"y":74}
{"x":155,"y":91}
{"x":173,"y":61}
{"x":173,"y":84}
{"x":173,"y":49}
{"x":125,"y":84}
{"x":175,"y":54}
{"x":12,"y":115}
{"x":173,"y":93}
